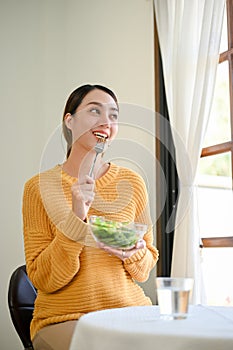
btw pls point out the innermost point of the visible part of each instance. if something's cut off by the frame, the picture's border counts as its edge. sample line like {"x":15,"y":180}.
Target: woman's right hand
{"x":82,"y":196}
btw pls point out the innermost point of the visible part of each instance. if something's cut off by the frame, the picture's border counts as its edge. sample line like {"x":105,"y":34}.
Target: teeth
{"x":100,"y":135}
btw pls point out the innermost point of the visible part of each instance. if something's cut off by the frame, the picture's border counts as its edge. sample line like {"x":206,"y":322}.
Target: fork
{"x":99,"y":148}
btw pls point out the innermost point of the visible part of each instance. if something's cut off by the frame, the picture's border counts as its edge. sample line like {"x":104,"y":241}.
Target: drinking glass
{"x":173,"y":297}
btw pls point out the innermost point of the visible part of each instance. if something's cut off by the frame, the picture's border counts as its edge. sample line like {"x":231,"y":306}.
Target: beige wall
{"x":48,"y":48}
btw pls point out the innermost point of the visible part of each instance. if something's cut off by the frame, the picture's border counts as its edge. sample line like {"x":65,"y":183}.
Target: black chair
{"x":21,"y":298}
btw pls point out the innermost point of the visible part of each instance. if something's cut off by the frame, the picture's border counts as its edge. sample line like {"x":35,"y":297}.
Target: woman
{"x":72,"y":275}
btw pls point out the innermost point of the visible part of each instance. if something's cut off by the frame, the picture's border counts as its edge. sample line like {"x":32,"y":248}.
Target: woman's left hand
{"x":122,"y":253}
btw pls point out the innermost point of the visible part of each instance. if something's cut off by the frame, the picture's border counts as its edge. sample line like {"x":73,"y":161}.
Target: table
{"x":140,"y":328}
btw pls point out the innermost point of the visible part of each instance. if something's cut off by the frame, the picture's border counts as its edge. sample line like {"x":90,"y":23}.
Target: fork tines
{"x":99,"y":148}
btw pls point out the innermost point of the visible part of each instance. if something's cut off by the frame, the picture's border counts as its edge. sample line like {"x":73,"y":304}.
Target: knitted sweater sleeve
{"x":140,"y":264}
{"x":45,"y":246}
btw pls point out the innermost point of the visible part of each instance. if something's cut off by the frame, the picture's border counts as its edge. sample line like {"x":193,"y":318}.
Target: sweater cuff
{"x":136,"y":257}
{"x":74,"y":228}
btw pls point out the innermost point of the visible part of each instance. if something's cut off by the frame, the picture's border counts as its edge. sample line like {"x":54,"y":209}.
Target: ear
{"x":68,"y":120}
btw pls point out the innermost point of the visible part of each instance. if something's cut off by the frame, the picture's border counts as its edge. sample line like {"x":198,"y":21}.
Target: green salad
{"x":114,"y":234}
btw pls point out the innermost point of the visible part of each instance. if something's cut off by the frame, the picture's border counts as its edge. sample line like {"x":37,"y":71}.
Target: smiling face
{"x":96,"y":116}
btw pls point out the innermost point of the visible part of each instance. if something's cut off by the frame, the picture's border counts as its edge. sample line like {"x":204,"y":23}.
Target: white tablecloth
{"x":140,"y":328}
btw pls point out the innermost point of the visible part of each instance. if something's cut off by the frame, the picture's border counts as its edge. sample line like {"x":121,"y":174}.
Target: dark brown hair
{"x":74,"y":100}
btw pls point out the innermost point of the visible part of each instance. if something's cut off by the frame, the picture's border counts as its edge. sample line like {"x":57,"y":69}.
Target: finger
{"x":86,"y":179}
{"x":88,"y":185}
{"x":110,"y":250}
{"x":89,"y":180}
{"x":140,"y":244}
{"x":89,"y":199}
{"x":84,"y":193}
{"x":85,"y":187}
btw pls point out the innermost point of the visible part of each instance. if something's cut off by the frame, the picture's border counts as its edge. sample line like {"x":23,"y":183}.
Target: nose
{"x":105,"y":119}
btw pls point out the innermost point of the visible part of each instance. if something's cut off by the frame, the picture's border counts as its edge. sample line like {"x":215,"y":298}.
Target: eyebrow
{"x":101,"y":105}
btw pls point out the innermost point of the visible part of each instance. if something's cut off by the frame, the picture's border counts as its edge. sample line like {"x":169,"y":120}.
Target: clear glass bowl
{"x":120,"y":235}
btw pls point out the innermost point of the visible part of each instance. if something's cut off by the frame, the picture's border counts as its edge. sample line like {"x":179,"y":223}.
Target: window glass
{"x":215,"y":166}
{"x":217,"y":269}
{"x":214,"y":196}
{"x":224,"y":44}
{"x":215,"y":211}
{"x":219,"y":128}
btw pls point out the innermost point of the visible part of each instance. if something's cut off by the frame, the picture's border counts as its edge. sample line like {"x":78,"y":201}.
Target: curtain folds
{"x":189,"y":35}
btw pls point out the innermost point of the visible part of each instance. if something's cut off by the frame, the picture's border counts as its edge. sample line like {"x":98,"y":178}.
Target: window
{"x":215,"y":178}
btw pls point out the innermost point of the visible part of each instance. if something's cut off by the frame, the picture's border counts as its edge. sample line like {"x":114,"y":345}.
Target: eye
{"x":95,"y":110}
{"x":114,"y":116}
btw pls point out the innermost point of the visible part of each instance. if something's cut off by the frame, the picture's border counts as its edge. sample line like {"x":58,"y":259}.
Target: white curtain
{"x":189,"y":34}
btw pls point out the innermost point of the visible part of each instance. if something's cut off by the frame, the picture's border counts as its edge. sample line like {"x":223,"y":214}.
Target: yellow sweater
{"x":71,"y":274}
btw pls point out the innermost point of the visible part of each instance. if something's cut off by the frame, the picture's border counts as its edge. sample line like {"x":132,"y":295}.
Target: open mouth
{"x":101,"y":136}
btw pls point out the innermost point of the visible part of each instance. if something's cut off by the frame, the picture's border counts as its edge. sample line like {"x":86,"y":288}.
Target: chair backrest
{"x":21,"y":298}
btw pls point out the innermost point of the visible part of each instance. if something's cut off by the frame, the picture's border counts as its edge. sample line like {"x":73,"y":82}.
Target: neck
{"x":79,"y":164}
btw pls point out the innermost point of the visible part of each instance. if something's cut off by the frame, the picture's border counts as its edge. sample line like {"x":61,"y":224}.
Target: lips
{"x":100,"y":134}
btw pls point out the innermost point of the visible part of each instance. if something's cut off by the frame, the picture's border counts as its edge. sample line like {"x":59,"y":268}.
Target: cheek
{"x":114,"y":129}
{"x":80,"y":127}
